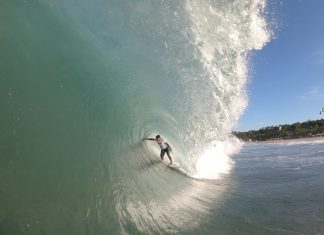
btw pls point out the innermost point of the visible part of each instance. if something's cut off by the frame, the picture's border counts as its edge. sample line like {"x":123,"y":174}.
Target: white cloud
{"x":313,"y":94}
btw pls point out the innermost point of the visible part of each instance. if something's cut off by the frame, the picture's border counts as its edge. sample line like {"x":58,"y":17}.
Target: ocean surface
{"x":82,"y":83}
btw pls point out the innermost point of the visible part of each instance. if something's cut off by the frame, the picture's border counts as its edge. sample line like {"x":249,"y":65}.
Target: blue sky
{"x":287,"y":76}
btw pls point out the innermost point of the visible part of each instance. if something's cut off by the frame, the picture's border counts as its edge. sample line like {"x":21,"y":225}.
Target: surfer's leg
{"x":162,"y":154}
{"x":169,"y":156}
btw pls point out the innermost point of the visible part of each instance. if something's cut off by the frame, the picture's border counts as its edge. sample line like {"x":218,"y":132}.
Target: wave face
{"x":82,"y":83}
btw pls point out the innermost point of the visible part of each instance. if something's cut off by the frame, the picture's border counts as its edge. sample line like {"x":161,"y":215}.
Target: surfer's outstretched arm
{"x":149,"y":138}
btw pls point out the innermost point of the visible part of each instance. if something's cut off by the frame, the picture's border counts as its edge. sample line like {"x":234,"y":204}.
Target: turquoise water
{"x":82,"y":84}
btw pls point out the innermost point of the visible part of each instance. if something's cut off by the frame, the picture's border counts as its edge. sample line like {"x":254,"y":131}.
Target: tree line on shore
{"x":297,"y":130}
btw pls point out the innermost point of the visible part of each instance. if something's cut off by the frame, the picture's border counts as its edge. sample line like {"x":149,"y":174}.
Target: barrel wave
{"x":82,"y":83}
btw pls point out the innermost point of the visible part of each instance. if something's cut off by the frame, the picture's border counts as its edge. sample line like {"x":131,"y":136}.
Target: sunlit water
{"x":279,"y":189}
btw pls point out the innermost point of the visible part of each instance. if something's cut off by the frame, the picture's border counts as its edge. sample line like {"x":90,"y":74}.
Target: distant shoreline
{"x":277,"y":141}
{"x":299,"y":131}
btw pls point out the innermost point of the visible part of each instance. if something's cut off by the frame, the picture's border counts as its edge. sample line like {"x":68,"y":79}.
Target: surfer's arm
{"x":150,"y":139}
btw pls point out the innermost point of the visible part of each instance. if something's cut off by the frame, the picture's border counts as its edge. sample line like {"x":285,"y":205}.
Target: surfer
{"x":165,"y":147}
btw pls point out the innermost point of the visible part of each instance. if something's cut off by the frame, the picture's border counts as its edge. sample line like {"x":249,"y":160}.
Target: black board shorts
{"x":163,"y":151}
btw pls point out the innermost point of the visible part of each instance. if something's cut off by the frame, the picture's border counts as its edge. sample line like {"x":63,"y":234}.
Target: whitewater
{"x":83,"y":83}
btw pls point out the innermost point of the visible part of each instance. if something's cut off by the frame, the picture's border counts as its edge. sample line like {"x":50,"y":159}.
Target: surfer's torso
{"x":162,"y":143}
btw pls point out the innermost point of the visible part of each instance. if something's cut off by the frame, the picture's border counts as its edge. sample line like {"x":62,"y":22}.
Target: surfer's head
{"x":157,"y":137}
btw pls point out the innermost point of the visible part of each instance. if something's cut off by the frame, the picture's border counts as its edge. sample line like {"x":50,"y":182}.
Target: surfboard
{"x":177,"y":169}
{"x":166,"y":162}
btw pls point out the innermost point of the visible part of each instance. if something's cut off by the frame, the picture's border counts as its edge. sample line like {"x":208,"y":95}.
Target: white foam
{"x":222,"y":35}
{"x":215,"y":159}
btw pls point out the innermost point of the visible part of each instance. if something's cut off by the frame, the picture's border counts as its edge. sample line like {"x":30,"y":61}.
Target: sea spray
{"x":215,"y":159}
{"x":222,"y":36}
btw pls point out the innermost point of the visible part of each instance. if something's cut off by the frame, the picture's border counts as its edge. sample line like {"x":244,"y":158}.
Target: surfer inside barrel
{"x":165,"y":147}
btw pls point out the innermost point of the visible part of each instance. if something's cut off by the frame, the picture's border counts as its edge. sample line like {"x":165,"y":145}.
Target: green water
{"x":81,"y":84}
{"x":50,"y":80}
